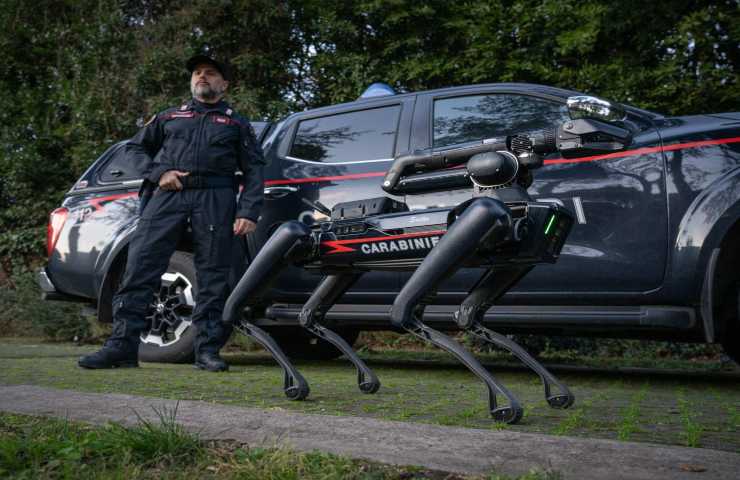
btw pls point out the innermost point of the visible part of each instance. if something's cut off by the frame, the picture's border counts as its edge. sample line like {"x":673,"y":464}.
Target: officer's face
{"x":207,"y":83}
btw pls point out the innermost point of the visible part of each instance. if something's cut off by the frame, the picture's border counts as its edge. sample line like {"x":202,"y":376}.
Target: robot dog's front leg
{"x":290,"y":242}
{"x":331,"y":288}
{"x":483,"y":218}
{"x":492,"y":285}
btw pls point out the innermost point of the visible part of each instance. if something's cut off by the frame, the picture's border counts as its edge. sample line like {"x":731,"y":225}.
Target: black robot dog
{"x":499,"y":228}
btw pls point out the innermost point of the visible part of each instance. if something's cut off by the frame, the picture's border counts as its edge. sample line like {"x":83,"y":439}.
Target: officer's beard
{"x":206,"y":92}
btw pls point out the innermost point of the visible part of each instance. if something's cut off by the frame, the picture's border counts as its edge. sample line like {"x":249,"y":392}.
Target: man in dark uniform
{"x":202,"y":144}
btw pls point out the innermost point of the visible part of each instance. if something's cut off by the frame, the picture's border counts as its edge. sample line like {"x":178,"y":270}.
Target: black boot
{"x":114,"y":354}
{"x":210,"y":361}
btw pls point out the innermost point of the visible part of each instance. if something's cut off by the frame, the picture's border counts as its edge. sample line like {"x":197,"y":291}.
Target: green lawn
{"x":419,"y":387}
{"x":34,"y":447}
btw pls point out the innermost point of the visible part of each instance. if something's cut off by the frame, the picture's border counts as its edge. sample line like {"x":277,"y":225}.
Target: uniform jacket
{"x":204,"y":139}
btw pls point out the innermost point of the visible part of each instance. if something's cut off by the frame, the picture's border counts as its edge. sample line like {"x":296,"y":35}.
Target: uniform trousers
{"x":163,"y":222}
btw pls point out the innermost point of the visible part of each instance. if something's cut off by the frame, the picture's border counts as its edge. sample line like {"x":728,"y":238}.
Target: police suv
{"x":653,"y":253}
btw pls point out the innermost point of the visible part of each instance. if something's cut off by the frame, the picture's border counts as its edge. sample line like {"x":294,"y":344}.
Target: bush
{"x":556,"y":348}
{"x":23,"y":313}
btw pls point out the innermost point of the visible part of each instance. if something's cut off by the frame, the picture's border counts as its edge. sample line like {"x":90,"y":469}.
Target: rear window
{"x":118,"y":167}
{"x":347,"y":137}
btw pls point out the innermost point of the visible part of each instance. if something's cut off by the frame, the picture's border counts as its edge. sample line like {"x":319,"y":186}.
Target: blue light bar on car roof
{"x":378,"y":89}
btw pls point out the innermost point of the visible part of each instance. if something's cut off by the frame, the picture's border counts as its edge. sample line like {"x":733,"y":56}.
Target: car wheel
{"x":731,"y":339}
{"x":298,"y":343}
{"x":172,"y":334}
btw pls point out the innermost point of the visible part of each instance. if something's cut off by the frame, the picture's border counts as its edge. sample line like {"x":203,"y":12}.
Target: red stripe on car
{"x":644,"y":151}
{"x":97,"y":203}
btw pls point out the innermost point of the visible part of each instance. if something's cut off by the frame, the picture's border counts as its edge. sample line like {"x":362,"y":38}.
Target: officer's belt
{"x":207,"y":181}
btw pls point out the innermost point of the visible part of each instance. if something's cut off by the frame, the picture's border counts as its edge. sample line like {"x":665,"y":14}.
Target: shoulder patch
{"x":154,"y":117}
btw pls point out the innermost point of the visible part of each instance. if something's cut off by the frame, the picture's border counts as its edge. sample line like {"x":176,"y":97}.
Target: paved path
{"x":443,"y":448}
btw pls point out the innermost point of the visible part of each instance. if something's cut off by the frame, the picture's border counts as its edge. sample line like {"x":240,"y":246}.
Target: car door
{"x":331,"y":156}
{"x":618,"y":244}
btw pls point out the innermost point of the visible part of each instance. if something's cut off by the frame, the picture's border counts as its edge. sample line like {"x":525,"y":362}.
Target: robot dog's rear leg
{"x":290,"y":242}
{"x":331,"y":288}
{"x":493,"y":285}
{"x":507,"y":414}
{"x":483,"y":217}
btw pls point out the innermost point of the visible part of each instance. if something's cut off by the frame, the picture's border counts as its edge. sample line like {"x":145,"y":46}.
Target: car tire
{"x":172,"y":336}
{"x":299,"y":344}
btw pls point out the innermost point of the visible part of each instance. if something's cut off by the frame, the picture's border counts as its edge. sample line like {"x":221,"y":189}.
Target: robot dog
{"x":499,"y":228}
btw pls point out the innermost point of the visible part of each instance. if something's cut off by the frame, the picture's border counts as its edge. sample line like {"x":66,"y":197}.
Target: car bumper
{"x":49,"y":291}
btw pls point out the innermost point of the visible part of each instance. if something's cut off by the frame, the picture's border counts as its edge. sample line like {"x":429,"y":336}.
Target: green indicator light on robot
{"x":549,"y":224}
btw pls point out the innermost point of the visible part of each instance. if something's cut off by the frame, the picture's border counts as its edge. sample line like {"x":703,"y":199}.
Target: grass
{"x":577,"y":418}
{"x":692,"y":429}
{"x":609,"y":403}
{"x":164,"y":439}
{"x":631,"y":415}
{"x":734,"y":413}
{"x":33,"y":447}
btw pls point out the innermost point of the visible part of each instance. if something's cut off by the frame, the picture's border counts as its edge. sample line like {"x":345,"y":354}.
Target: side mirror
{"x":588,"y":107}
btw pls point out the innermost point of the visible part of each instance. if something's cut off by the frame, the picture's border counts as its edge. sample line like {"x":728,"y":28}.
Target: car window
{"x":119,"y":167}
{"x":464,"y":119}
{"x":347,"y":137}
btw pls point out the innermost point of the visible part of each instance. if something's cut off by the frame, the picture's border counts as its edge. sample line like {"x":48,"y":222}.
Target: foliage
{"x":674,"y":57}
{"x":23,"y":314}
{"x":560,"y":349}
{"x":578,"y":347}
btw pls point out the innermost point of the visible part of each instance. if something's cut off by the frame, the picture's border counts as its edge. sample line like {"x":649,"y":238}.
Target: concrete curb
{"x":442,"y":448}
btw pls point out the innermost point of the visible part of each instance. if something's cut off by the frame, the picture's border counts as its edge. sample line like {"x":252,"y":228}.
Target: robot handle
{"x":427,"y":160}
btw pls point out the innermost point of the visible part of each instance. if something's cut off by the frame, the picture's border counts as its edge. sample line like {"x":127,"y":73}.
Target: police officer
{"x":201,"y":146}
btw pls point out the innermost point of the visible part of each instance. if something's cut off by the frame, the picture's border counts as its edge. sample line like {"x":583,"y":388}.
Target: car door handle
{"x":116,"y":173}
{"x":279,"y":192}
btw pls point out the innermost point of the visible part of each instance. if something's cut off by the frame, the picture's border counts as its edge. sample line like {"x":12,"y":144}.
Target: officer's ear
{"x":226,"y":85}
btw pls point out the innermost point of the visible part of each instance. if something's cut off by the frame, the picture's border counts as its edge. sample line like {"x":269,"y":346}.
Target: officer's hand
{"x":170,"y":180}
{"x":243,"y":226}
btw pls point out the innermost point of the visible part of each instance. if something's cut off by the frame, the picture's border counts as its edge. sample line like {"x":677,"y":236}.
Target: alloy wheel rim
{"x":170,"y":314}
